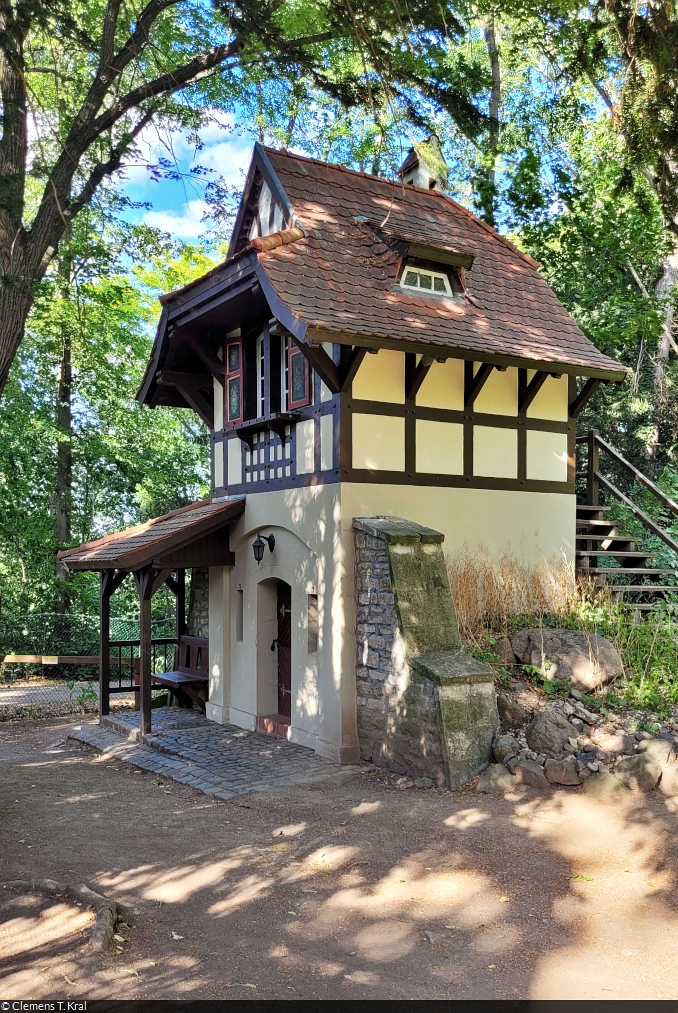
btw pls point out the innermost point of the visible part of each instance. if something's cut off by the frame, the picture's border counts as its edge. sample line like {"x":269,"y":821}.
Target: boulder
{"x":602,"y":785}
{"x":669,"y":783}
{"x":614,"y":742}
{"x":495,"y":780}
{"x":586,"y":659}
{"x":641,"y":771}
{"x":514,"y":711}
{"x":505,"y":746}
{"x":561,"y":771}
{"x":529,"y":772}
{"x":502,"y":648}
{"x":549,"y":731}
{"x":661,"y":750}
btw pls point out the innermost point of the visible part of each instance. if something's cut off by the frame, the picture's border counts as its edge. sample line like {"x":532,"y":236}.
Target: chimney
{"x":425,"y":165}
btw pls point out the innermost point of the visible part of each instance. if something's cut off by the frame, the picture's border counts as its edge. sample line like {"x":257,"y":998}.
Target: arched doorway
{"x":284,"y":649}
{"x":274,"y":652}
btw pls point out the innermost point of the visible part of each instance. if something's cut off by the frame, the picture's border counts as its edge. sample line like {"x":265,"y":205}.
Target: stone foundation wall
{"x":424,"y":708}
{"x":399,"y":733}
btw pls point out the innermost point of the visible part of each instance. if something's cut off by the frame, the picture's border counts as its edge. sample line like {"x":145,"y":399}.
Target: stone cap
{"x":397,"y":530}
{"x":448,"y":667}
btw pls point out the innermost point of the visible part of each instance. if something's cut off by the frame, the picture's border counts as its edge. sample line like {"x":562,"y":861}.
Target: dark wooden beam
{"x":159,"y":579}
{"x":320,"y":361}
{"x":474,"y":384}
{"x":180,"y":594}
{"x":144,"y":581}
{"x":174,"y":378}
{"x":110,"y":582}
{"x":349,"y":368}
{"x":198,"y":403}
{"x":208,"y":359}
{"x":532,"y":389}
{"x":587,"y":391}
{"x":418,"y":376}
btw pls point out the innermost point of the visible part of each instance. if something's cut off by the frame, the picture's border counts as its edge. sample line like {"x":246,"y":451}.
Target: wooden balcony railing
{"x":595,"y":480}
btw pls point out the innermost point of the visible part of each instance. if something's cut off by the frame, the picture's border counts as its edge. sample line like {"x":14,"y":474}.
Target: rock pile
{"x":565,"y":743}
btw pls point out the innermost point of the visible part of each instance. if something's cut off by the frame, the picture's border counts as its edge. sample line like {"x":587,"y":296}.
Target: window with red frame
{"x":298,"y":381}
{"x":233,"y":385}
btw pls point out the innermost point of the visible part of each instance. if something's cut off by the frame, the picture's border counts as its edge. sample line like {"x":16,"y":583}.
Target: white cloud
{"x":186,"y":224}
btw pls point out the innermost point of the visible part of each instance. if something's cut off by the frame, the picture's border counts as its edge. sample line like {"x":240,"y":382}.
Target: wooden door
{"x":284,"y":649}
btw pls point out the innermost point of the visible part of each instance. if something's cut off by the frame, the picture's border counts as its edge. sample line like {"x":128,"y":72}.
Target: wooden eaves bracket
{"x":528,"y":391}
{"x":587,"y":392}
{"x":190,"y":386}
{"x":337,"y":378}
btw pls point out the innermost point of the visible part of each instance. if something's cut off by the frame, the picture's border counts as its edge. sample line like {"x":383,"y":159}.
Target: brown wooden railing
{"x":595,"y":480}
{"x":124,"y":664}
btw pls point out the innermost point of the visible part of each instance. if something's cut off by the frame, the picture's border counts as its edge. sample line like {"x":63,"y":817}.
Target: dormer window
{"x":426,"y":281}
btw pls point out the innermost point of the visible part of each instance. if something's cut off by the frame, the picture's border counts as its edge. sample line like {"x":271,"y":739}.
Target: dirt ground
{"x":362,"y":891}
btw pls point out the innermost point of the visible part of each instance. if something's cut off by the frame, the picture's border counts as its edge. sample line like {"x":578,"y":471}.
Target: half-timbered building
{"x":369,"y":348}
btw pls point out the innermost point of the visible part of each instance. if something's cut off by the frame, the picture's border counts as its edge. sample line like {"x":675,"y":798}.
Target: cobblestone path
{"x":219,"y":760}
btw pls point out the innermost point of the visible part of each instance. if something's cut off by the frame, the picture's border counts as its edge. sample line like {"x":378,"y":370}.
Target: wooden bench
{"x":191,"y":673}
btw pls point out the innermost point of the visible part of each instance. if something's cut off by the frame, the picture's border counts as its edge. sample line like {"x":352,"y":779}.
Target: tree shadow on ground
{"x":363,"y":891}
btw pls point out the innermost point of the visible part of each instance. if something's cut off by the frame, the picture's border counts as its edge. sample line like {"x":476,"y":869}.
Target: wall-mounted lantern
{"x":259,"y":544}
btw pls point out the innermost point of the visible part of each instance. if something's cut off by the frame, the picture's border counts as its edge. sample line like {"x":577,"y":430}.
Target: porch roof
{"x":180,"y":538}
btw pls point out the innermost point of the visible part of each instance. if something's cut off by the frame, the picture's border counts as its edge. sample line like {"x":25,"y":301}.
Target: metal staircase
{"x":606,"y":555}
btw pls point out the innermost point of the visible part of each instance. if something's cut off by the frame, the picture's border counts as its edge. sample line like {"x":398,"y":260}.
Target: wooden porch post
{"x":181,"y":603}
{"x":104,"y":643}
{"x":144,"y":582}
{"x":593,"y":465}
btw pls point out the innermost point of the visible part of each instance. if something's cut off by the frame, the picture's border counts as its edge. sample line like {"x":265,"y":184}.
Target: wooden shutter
{"x":233,"y":407}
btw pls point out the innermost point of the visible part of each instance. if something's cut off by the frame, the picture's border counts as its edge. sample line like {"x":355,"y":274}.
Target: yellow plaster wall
{"x":440,"y":447}
{"x":378,"y":442}
{"x":534,"y":525}
{"x":443,"y":386}
{"x":547,"y":456}
{"x":499,"y":395}
{"x":551,"y":401}
{"x":381,"y":377}
{"x":495,"y":452}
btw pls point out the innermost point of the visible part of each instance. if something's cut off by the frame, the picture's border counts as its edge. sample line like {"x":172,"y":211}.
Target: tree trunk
{"x":664,"y":289}
{"x":197,"y":624}
{"x":15,"y":305}
{"x":494,"y":122}
{"x":64,"y":465}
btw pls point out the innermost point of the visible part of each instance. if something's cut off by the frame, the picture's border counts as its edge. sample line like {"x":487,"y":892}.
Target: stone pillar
{"x":424,"y":707}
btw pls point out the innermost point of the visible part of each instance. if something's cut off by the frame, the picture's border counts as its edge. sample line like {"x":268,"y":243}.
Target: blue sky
{"x":177,"y":206}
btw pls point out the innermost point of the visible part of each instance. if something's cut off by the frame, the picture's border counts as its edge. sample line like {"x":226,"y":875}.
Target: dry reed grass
{"x":490,"y":595}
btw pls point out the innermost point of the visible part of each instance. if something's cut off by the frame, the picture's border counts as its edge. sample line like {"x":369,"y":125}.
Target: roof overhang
{"x":181,"y":538}
{"x":315,"y":336}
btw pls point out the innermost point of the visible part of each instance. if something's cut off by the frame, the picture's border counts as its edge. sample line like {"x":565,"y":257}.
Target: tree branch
{"x":108,"y":34}
{"x":103,"y":169}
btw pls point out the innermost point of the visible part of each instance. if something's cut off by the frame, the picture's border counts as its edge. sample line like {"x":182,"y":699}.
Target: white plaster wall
{"x":311,"y":557}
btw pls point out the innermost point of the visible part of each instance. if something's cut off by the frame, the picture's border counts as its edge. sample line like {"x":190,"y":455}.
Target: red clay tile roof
{"x":340,"y":277}
{"x":137,"y":546}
